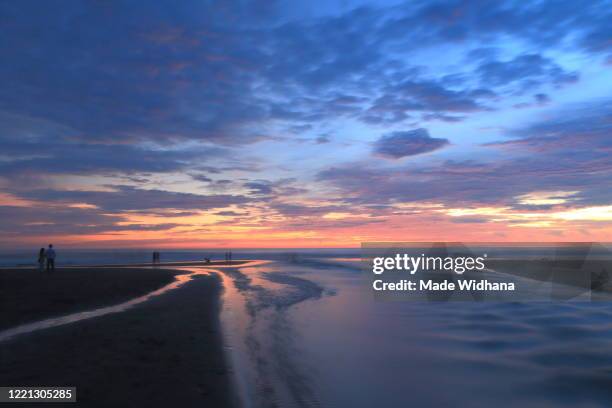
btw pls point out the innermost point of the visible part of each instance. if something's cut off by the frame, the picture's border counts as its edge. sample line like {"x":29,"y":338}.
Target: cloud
{"x":46,"y":220}
{"x":580,"y":129}
{"x":541,"y":23}
{"x":58,"y":157}
{"x":201,"y":177}
{"x":569,"y":151}
{"x":259,"y":187}
{"x":541,"y":98}
{"x":127,"y":198}
{"x":300,"y":210}
{"x":230,"y":213}
{"x":40,"y":147}
{"x":227,"y":80}
{"x":272,"y":190}
{"x":397,"y":145}
{"x":433,"y":98}
{"x":528,"y":70}
{"x":470,"y":220}
{"x":192,"y":87}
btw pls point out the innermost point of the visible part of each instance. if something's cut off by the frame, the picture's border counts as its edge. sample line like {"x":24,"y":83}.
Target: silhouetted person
{"x":50,"y":258}
{"x":41,"y":260}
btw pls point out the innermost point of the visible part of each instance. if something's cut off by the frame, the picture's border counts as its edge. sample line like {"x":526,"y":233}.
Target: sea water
{"x":311,"y":335}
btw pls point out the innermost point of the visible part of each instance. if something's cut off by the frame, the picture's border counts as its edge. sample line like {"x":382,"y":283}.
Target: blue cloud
{"x":127,"y":198}
{"x":397,"y":145}
{"x":125,"y":72}
{"x":527,"y":69}
{"x":570,"y":151}
{"x":135,"y":88}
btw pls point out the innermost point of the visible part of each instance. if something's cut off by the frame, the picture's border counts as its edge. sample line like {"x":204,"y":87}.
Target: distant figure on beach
{"x":41,"y":260}
{"x":50,"y":258}
{"x":155,"y":257}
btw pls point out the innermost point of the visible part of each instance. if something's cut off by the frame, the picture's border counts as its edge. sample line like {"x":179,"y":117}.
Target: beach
{"x":304,"y":331}
{"x":167,"y":350}
{"x":27,"y":295}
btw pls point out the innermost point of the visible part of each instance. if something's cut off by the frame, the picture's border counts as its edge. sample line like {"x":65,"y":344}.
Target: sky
{"x":205,"y":124}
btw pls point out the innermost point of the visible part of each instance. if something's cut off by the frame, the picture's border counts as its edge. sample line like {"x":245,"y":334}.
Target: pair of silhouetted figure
{"x":155,"y":257}
{"x":228,"y":256}
{"x":47,"y":257}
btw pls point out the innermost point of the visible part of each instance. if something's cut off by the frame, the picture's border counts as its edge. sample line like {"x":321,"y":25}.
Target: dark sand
{"x":167,"y":351}
{"x":27,"y":295}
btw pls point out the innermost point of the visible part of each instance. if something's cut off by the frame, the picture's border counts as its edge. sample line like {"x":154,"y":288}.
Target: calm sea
{"x":306,"y":332}
{"x":71,"y":257}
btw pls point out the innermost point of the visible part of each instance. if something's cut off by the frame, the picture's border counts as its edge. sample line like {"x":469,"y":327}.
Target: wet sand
{"x":166,"y":351}
{"x":27,"y":295}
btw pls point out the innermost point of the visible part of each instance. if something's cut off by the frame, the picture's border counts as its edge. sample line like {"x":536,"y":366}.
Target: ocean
{"x":308,"y":333}
{"x":74,"y":257}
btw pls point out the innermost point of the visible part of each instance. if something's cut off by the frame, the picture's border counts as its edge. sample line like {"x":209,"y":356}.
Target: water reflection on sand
{"x":179,"y":280}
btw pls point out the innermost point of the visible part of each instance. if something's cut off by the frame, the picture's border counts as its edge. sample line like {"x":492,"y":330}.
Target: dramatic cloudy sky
{"x":304,"y":123}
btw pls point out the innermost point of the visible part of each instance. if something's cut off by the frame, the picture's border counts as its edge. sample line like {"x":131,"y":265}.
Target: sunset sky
{"x":304,"y":123}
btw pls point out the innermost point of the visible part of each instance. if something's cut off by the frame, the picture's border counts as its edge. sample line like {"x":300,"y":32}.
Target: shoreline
{"x":34,"y":266}
{"x":169,"y":349}
{"x":27,"y":295}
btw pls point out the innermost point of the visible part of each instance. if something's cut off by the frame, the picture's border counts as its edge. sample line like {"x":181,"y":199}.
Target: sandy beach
{"x":166,"y":351}
{"x":28,"y":295}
